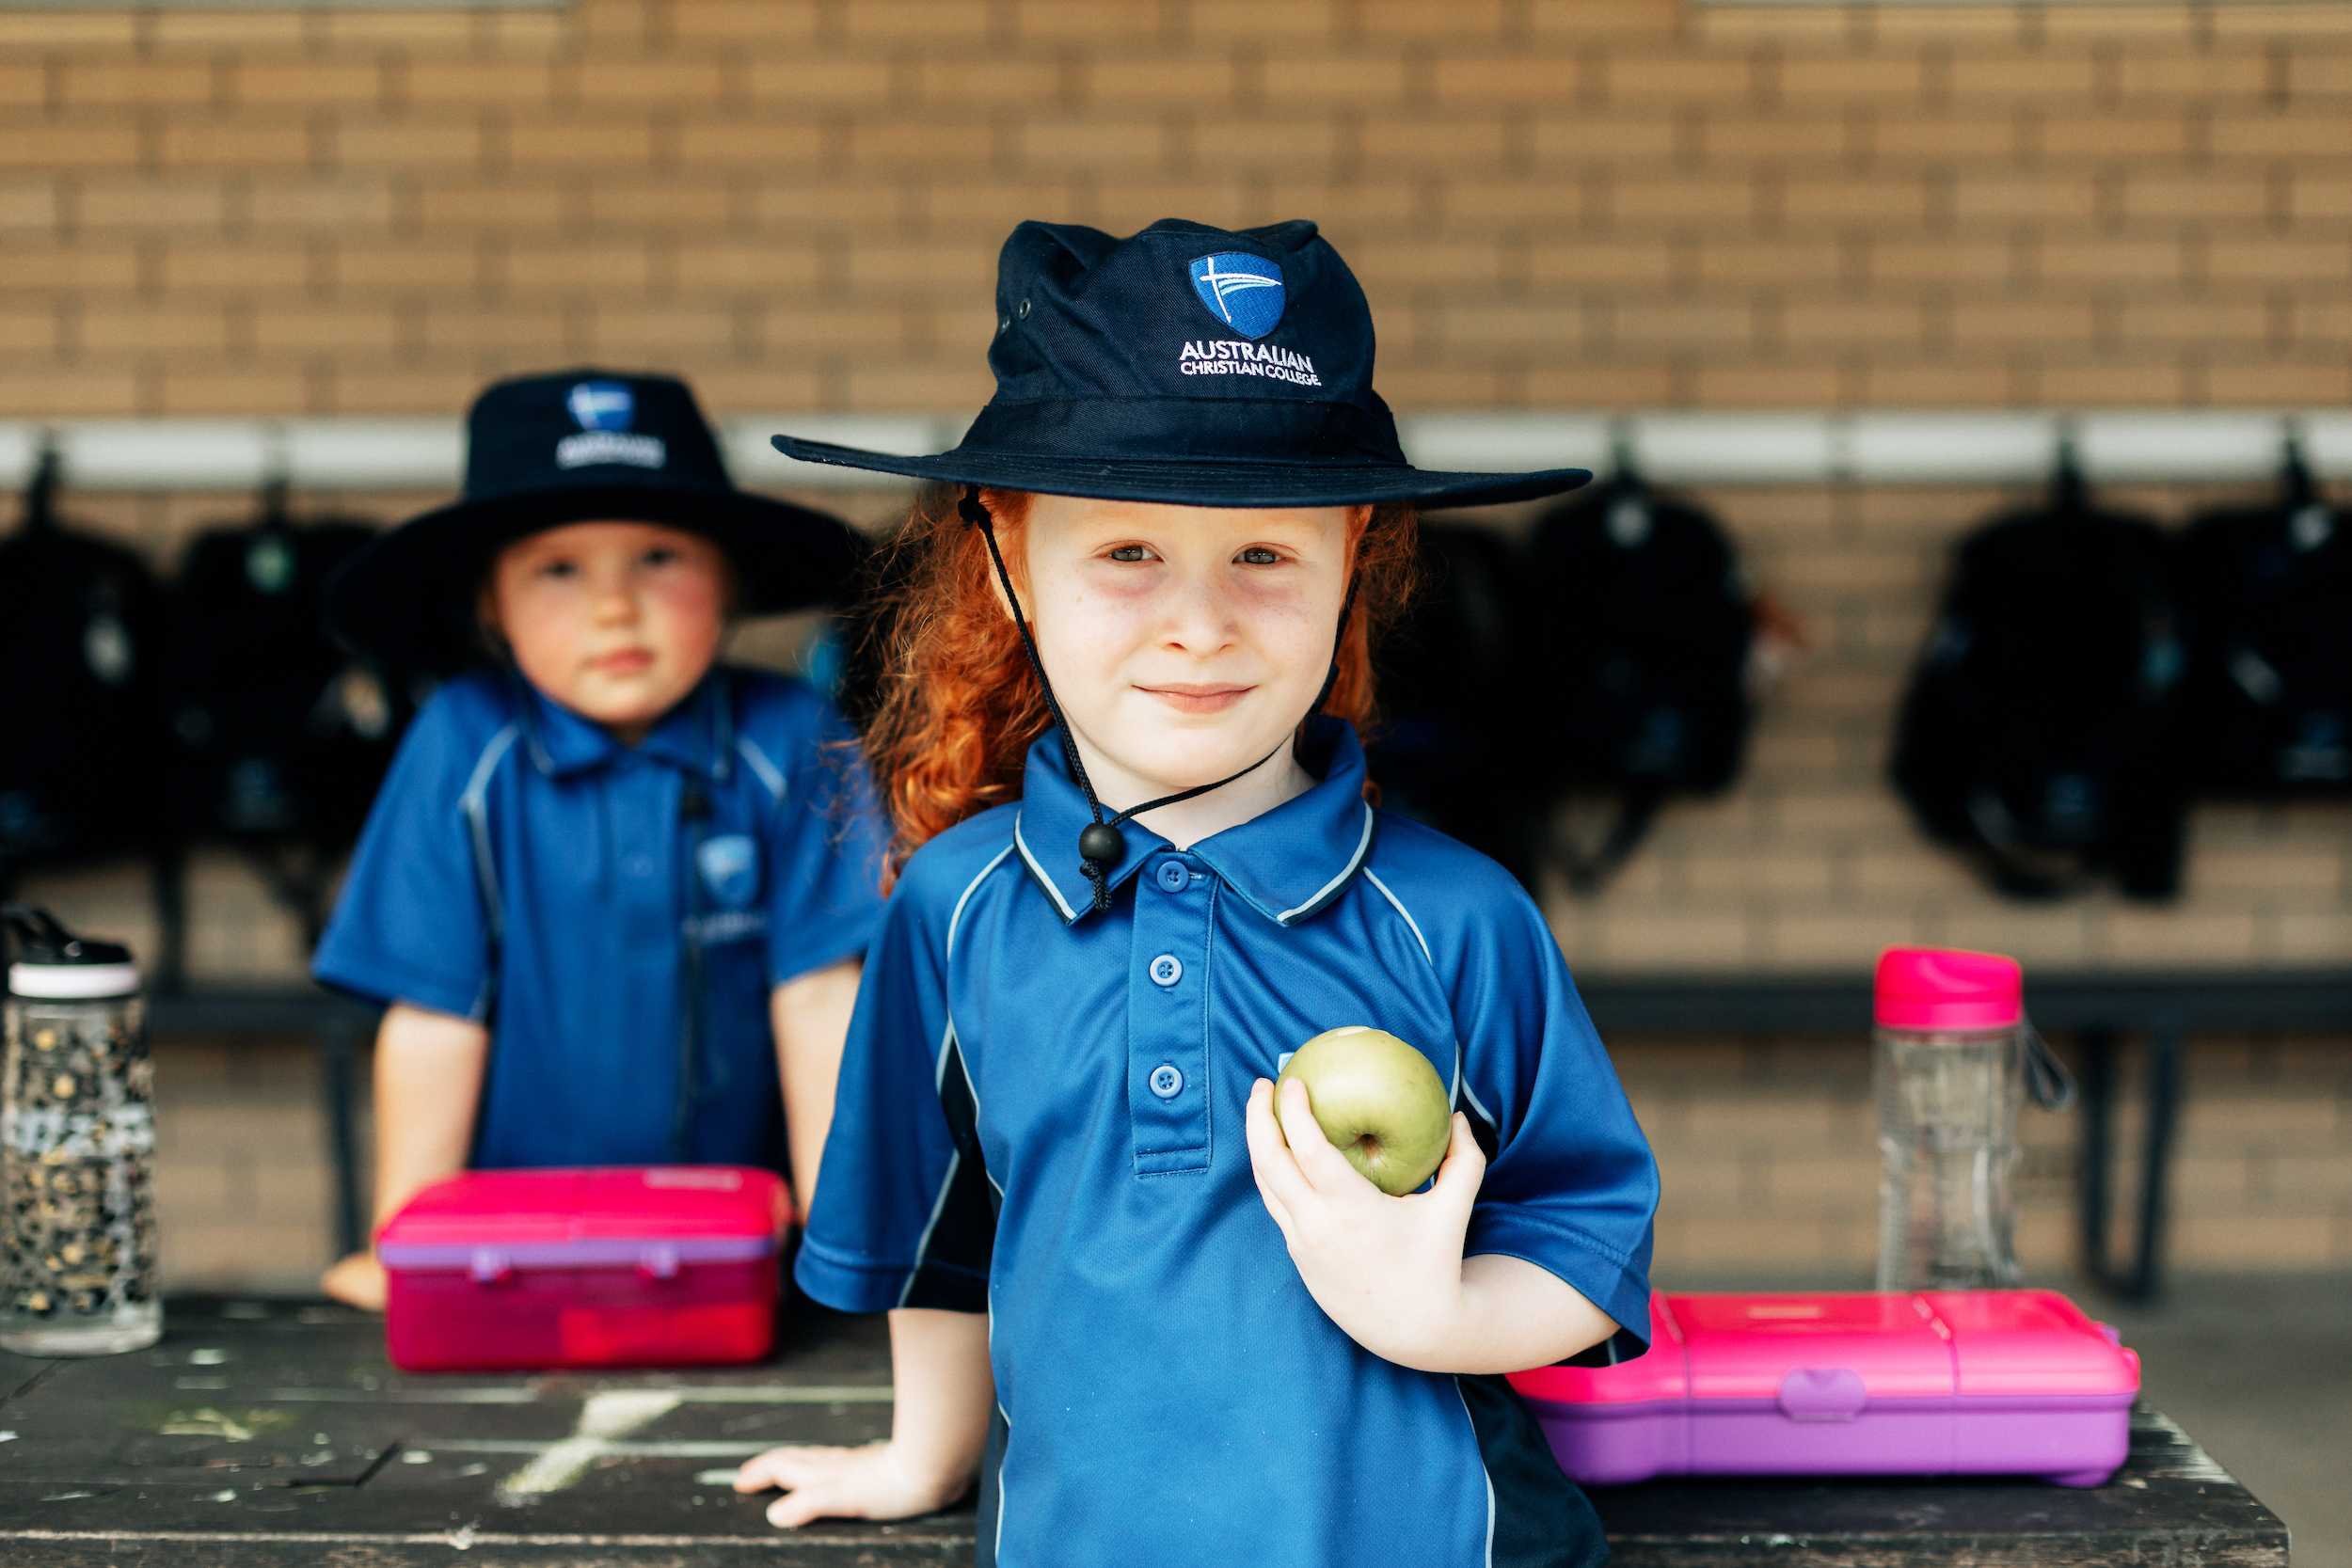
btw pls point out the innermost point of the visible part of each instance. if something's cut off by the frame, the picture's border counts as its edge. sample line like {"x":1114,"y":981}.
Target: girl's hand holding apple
{"x":1387,"y":1270}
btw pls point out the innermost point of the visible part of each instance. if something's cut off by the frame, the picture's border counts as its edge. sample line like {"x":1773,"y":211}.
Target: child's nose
{"x":1200,"y":616}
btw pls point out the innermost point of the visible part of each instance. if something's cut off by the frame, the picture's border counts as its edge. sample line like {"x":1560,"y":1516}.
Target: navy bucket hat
{"x":1190,"y":365}
{"x":575,"y":446}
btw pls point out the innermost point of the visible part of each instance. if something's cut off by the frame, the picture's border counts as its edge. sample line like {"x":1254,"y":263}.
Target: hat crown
{"x":584,"y":427}
{"x":1180,"y":310}
{"x":1189,"y":365}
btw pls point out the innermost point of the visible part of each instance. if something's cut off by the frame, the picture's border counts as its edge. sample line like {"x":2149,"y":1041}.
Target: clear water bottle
{"x":1954,"y":1058}
{"x":77,"y":1148}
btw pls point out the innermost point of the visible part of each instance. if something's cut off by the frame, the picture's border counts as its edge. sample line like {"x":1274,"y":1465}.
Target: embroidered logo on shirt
{"x":1244,"y":291}
{"x":730,"y":869}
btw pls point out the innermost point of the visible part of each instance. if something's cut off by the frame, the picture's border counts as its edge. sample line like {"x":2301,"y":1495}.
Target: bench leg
{"x":339,"y":1048}
{"x":2142,"y":1279}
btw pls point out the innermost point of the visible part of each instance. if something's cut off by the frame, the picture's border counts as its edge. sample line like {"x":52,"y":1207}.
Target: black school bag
{"x":78,"y":733}
{"x":278,"y":736}
{"x":2267,"y":597}
{"x":1447,"y":747}
{"x":1638,"y":625}
{"x":2041,"y":733}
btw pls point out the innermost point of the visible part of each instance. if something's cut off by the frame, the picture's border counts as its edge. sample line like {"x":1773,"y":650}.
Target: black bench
{"x":274,"y":1433}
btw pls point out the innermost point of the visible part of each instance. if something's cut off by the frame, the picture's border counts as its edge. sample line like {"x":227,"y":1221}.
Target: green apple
{"x":1378,"y":1101}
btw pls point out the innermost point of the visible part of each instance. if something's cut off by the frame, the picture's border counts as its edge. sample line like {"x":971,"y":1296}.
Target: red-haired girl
{"x":1164,"y":1325}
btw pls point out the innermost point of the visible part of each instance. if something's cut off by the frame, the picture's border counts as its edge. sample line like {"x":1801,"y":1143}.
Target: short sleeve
{"x":409,"y":924}
{"x":1571,"y":1186}
{"x":902,"y":1216}
{"x":825,"y":844}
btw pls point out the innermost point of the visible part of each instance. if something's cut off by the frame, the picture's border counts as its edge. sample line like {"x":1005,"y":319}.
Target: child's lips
{"x":1197,"y":699}
{"x":628,"y":661}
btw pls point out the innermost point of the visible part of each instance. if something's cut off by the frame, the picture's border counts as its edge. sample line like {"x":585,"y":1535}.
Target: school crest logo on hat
{"x":603,"y":405}
{"x":604,"y":411}
{"x":1244,"y":291}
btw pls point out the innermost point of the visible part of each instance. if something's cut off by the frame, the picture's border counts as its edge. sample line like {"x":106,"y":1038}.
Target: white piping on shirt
{"x":1461,"y":1081}
{"x":768,"y":775}
{"x":939,"y":1083}
{"x":1357,"y":859}
{"x":1374,"y":879}
{"x":478,"y":824}
{"x":1490,"y":1554}
{"x":940,"y":1076}
{"x":969,"y":889}
{"x":997,"y":1549}
{"x":1059,"y":902}
{"x":948,"y":1182}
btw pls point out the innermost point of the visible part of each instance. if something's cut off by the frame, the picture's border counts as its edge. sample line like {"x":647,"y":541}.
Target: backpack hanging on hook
{"x":1447,"y":746}
{"x":2040,"y":733}
{"x":78,"y":612}
{"x":1638,"y":628}
{"x":278,"y":736}
{"x":2267,"y":597}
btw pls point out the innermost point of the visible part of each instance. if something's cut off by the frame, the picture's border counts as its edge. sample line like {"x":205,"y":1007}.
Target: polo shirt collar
{"x":696,"y":736}
{"x":1286,"y":864}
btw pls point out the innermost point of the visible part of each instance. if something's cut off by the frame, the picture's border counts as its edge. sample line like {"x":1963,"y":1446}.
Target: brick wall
{"x":1635,"y":203}
{"x":1622,"y":205}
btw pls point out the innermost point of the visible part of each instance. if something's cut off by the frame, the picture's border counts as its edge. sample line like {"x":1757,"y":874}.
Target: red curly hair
{"x":958,"y":705}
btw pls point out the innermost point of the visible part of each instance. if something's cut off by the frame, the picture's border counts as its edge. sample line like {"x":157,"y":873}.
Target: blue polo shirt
{"x":524,"y":868}
{"x":1040,"y":1117}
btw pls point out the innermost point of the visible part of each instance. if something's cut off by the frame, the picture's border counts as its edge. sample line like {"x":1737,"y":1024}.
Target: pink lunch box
{"x":1935,"y":1382}
{"x":639,"y":1266}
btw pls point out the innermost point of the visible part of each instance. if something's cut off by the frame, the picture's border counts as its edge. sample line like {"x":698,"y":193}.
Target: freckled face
{"x":1183,"y":642}
{"x":616,"y":621}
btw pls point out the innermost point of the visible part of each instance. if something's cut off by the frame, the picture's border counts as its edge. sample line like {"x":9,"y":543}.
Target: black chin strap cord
{"x":1099,"y":844}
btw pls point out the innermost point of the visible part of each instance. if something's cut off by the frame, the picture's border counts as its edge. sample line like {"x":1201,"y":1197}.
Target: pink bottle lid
{"x":1945,"y":989}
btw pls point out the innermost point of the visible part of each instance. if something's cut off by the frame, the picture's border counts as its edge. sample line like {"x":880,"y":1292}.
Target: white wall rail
{"x":1893,"y":447}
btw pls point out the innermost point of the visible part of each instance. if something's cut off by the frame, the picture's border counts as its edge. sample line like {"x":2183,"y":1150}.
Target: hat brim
{"x":407,"y":599}
{"x":1204,"y":482}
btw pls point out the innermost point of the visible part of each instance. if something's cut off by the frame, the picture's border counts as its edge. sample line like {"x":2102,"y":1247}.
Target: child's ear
{"x":487,"y":629}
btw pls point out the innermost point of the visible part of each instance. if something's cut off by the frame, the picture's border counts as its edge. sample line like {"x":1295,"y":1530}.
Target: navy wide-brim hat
{"x":1191,"y":365}
{"x":577,"y":446}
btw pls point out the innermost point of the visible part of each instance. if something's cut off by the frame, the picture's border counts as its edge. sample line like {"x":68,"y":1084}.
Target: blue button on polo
{"x":1173,"y":877}
{"x":1167,"y":970}
{"x":1167,"y":1082}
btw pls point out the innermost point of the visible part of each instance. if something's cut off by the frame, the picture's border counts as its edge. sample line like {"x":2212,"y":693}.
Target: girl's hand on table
{"x":1387,"y":1270}
{"x":356,"y":1281}
{"x":878,"y":1481}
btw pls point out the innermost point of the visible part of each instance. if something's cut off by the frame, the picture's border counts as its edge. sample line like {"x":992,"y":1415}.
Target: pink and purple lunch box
{"x":1933,"y":1383}
{"x":624,"y":1266}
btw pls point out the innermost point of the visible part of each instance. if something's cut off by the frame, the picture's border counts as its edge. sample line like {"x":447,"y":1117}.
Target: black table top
{"x":267,"y":1433}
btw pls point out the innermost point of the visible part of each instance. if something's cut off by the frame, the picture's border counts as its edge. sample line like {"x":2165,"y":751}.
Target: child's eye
{"x":1259,"y":555}
{"x":659,"y":555}
{"x":1130,"y":552}
{"x":555,"y":569}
